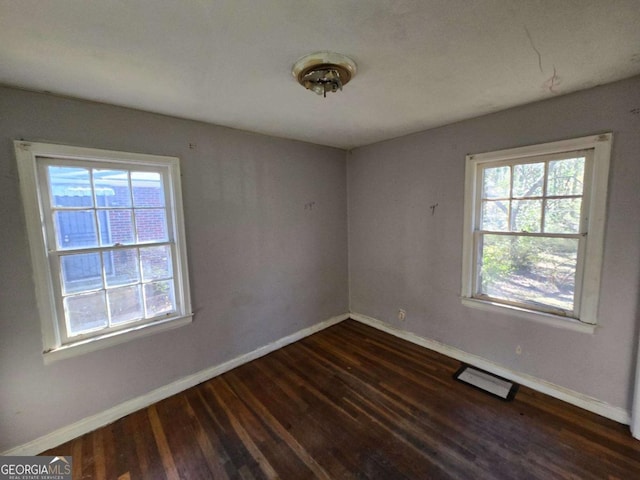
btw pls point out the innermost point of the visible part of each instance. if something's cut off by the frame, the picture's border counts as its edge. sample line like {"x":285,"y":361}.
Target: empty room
{"x":338,"y":239}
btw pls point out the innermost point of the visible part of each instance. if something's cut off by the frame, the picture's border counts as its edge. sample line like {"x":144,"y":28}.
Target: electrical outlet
{"x":402,"y":314}
{"x":518,"y":350}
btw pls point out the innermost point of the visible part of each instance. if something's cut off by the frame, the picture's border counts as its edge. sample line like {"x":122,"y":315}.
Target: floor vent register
{"x":491,"y":384}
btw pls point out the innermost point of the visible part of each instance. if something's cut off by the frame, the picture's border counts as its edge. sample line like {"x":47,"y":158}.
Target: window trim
{"x":27,"y":154}
{"x":596,"y":195}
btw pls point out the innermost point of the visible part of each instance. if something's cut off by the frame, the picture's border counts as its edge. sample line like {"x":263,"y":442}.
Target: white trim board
{"x":635,"y":417}
{"x":591,"y":404}
{"x":112,"y":414}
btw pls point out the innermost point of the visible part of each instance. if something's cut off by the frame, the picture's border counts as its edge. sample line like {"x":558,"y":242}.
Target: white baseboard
{"x":591,"y":404}
{"x":106,"y":417}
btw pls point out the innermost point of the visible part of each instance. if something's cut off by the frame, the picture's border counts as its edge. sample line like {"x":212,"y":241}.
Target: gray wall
{"x":400,"y":256}
{"x":261,"y":265}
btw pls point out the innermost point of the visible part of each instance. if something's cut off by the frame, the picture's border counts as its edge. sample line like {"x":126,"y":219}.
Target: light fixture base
{"x":323,"y":72}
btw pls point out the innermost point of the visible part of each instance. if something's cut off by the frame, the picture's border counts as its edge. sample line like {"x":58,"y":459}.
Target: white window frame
{"x":589,"y":258}
{"x":38,"y":221}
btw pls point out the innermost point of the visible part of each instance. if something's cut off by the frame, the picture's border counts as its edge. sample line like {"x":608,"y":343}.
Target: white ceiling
{"x":420,"y":63}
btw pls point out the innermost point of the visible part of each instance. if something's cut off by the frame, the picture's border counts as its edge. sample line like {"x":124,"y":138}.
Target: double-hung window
{"x":107,"y":244}
{"x":534,"y":228}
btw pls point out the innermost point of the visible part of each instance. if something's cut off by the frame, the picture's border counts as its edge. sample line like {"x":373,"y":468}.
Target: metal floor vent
{"x":491,"y":384}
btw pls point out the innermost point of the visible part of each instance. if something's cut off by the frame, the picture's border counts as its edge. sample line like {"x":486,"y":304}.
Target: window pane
{"x":121,"y":267}
{"x":70,"y":187}
{"x":148,"y":190}
{"x":156,"y":263}
{"x":75,"y":229}
{"x":86,"y":312}
{"x":496,"y":182}
{"x":495,"y":215}
{"x":566,"y":177}
{"x":526,"y":215}
{"x":563,"y":215}
{"x":112,"y":188}
{"x":81,"y":273}
{"x":159,"y":298}
{"x":151,"y":225}
{"x":116,"y":227}
{"x":537,"y":272}
{"x":528,"y":180}
{"x":125,"y":304}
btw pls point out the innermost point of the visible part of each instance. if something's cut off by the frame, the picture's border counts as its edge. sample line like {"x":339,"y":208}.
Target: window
{"x":534,"y":228}
{"x":107,"y":244}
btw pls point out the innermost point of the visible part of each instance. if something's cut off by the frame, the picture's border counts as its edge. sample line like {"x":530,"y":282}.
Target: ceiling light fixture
{"x":324,"y":72}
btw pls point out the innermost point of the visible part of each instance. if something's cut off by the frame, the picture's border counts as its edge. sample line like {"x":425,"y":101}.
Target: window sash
{"x":62,"y":320}
{"x":56,"y":254}
{"x":476,"y":280}
{"x":588,"y":167}
{"x":479,"y":233}
{"x":590,"y":234}
{"x":47,"y":257}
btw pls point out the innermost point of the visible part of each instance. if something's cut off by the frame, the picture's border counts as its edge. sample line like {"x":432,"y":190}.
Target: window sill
{"x":114,"y":338}
{"x":540,"y":317}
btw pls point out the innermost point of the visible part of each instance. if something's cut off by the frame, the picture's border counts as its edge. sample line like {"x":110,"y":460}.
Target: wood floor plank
{"x":175,"y":419}
{"x":75,"y":447}
{"x":338,"y":397}
{"x":100,"y":463}
{"x":214,"y":458}
{"x":368,"y":399}
{"x":290,"y":409}
{"x":147,"y":454}
{"x":233,"y":407}
{"x":352,"y":402}
{"x":125,"y":457}
{"x":281,"y":431}
{"x":412,"y":416}
{"x":163,"y":446}
{"x":229,"y":449}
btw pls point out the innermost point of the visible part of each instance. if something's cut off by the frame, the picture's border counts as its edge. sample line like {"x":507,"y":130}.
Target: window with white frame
{"x":534,"y":229}
{"x":107,"y":243}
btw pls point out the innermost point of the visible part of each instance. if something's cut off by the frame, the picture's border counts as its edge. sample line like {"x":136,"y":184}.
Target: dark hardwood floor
{"x":353,"y":402}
